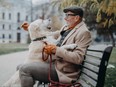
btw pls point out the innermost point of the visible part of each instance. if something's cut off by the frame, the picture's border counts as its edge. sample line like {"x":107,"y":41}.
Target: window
{"x":9,"y":16}
{"x":3,"y":26}
{"x":3,"y":36}
{"x":9,"y":36}
{"x":9,"y":27}
{"x":26,"y":18}
{"x":18,"y":28}
{"x":18,"y":37}
{"x":3,"y":15}
{"x":18,"y":17}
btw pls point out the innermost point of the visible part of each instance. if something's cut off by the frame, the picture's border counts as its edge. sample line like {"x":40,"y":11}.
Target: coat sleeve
{"x":77,"y":55}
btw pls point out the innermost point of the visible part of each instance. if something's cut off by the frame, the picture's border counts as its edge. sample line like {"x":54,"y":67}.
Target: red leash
{"x":54,"y":83}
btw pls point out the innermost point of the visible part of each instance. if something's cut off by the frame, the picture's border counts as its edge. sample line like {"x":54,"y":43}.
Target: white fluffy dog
{"x":39,"y":32}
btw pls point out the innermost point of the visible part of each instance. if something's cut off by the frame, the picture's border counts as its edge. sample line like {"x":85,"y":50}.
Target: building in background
{"x":17,"y":11}
{"x":11,"y":17}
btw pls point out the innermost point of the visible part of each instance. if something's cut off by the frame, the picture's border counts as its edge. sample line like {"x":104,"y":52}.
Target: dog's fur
{"x":38,"y":28}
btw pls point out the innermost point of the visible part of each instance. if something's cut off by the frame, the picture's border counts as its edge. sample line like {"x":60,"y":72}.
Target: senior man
{"x":65,"y":68}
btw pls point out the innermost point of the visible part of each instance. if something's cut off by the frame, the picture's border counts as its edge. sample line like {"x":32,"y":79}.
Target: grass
{"x":12,"y":47}
{"x":113,"y":56}
{"x":110,"y":79}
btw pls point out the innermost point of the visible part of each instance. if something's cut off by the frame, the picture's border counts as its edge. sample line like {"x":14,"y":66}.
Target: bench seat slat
{"x":83,"y":83}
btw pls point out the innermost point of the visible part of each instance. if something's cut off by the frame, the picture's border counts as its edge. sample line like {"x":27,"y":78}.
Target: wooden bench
{"x":94,"y":66}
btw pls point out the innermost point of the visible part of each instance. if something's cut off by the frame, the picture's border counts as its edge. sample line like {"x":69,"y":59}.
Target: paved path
{"x":8,"y":64}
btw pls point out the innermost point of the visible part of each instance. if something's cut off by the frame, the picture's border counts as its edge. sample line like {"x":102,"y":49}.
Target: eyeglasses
{"x":70,"y":15}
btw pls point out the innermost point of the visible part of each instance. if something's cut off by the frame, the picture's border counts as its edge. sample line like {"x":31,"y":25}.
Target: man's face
{"x":71,"y":18}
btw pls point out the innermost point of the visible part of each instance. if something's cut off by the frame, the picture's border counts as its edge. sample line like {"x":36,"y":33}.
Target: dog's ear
{"x":25,"y":26}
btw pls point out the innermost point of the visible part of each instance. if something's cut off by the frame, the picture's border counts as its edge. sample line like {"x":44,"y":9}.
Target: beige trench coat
{"x":66,"y":61}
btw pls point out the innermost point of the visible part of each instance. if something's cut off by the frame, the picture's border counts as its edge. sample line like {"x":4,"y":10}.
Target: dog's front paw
{"x":70,"y":46}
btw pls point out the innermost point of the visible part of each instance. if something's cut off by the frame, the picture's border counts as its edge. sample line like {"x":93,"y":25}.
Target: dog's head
{"x":39,"y":28}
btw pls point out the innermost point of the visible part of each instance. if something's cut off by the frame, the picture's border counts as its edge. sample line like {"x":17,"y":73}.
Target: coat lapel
{"x":73,"y":31}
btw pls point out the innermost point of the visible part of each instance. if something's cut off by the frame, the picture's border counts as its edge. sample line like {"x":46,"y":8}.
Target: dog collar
{"x":40,"y":38}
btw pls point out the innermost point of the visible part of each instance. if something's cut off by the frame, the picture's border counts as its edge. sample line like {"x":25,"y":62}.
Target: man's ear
{"x":77,"y":18}
{"x":25,"y":26}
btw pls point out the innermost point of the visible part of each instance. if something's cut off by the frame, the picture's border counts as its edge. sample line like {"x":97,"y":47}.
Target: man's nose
{"x":65,"y":18}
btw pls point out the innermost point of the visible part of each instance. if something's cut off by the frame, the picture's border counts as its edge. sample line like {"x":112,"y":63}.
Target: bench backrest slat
{"x":91,"y":67}
{"x":95,"y":54}
{"x":88,"y":80}
{"x":94,"y":66}
{"x":90,"y":73}
{"x":98,"y":48}
{"x":92,"y":60}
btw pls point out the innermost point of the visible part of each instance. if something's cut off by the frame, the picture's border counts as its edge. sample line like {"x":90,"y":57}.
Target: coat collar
{"x":72,"y":32}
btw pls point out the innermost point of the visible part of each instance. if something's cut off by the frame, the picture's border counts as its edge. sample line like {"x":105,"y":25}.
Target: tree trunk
{"x":112,"y":37}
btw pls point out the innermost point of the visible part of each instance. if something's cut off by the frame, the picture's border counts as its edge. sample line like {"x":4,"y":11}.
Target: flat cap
{"x":74,"y":9}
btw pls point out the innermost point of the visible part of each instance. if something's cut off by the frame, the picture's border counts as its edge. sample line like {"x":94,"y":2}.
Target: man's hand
{"x":50,"y":49}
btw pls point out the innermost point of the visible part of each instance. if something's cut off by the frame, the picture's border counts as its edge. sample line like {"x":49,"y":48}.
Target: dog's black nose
{"x":49,"y":19}
{"x":49,"y":28}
